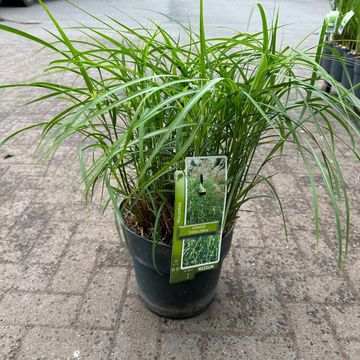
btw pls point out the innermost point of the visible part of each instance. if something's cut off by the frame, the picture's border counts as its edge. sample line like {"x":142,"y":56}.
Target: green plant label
{"x":345,"y":20}
{"x":200,"y":196}
{"x":331,"y":20}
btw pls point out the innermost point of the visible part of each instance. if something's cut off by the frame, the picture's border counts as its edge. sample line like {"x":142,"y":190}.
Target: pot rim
{"x":159,"y":242}
{"x":136,"y":234}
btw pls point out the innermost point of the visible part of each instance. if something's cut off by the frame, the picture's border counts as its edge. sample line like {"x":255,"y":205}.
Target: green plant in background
{"x":350,"y":37}
{"x":143,"y":100}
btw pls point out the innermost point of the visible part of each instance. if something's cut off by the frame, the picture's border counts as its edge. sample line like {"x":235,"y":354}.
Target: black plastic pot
{"x":336,"y":70}
{"x":181,"y":300}
{"x":348,"y":77}
{"x":326,"y":58}
{"x":357,"y":76}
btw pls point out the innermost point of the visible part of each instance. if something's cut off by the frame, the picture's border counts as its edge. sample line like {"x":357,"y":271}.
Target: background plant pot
{"x":326,"y":58}
{"x":182,"y":300}
{"x":348,"y":76}
{"x":357,"y":76}
{"x":336,"y":70}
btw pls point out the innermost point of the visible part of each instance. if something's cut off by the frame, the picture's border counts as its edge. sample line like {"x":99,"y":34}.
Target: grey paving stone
{"x":352,"y":267}
{"x":247,"y":230}
{"x":74,"y":212}
{"x":103,"y":299}
{"x":132,"y":287}
{"x":3,"y":169}
{"x":51,"y":243}
{"x":19,"y":154}
{"x":52,"y":182}
{"x":114,"y":254}
{"x":243,"y":347}
{"x":25,"y":277}
{"x":298,"y":214}
{"x":310,"y":288}
{"x":86,"y":215}
{"x":36,"y":211}
{"x":37,"y":309}
{"x":179,"y":346}
{"x":229,"y":267}
{"x":287,"y":183}
{"x":25,"y":138}
{"x":20,"y":195}
{"x":98,"y":231}
{"x":346,"y":320}
{"x":270,"y":260}
{"x":263,"y":313}
{"x":324,"y":259}
{"x":23,"y":171}
{"x":3,"y":116}
{"x":130,"y":342}
{"x":64,"y":343}
{"x":273,"y":232}
{"x":9,"y":274}
{"x":313,"y":333}
{"x":36,"y":277}
{"x":59,"y":196}
{"x":247,"y":236}
{"x":352,"y":349}
{"x":290,"y":162}
{"x":9,"y":213}
{"x":20,"y":239}
{"x":10,"y":337}
{"x":75,"y":268}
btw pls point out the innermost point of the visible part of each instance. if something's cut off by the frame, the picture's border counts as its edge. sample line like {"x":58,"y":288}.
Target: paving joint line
{"x":334,"y":334}
{"x":14,"y":352}
{"x":51,"y":326}
{"x":117,"y":323}
{"x":61,"y":258}
{"x":92,"y":274}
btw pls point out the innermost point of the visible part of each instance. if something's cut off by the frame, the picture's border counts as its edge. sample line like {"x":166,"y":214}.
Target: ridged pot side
{"x":181,"y":300}
{"x":348,"y":76}
{"x":336,"y":70}
{"x":357,"y":75}
{"x":326,"y":58}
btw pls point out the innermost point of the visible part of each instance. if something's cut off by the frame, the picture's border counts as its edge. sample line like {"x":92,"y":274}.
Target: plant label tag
{"x":331,"y":20}
{"x":200,"y":197}
{"x":345,"y":20}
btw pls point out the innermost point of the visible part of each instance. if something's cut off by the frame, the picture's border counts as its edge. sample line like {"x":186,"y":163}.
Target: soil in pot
{"x":181,"y":300}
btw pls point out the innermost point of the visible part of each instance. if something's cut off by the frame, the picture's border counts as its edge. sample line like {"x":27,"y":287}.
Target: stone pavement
{"x":67,"y":288}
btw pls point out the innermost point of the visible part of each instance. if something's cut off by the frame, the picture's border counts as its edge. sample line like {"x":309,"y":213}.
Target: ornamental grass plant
{"x":143,"y":99}
{"x":350,"y":37}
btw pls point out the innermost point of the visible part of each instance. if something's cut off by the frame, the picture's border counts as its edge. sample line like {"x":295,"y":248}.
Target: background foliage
{"x":351,"y":34}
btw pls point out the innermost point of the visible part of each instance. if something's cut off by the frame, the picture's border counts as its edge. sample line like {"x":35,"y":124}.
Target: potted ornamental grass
{"x":349,"y":38}
{"x":341,"y":54}
{"x":144,"y":99}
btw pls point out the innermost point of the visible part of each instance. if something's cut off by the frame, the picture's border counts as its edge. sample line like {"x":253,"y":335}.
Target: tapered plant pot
{"x":348,"y":76}
{"x":326,"y":61}
{"x":326,"y":58}
{"x":336,"y":70}
{"x":181,"y":300}
{"x":357,"y":76}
